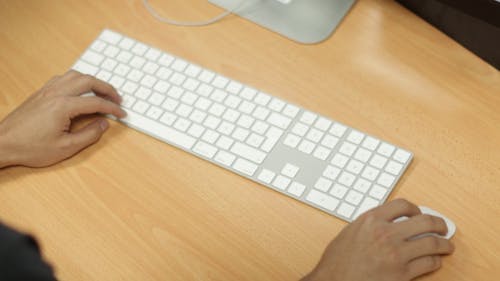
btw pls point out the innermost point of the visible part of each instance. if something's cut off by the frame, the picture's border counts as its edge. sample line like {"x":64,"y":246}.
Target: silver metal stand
{"x":305,"y":21}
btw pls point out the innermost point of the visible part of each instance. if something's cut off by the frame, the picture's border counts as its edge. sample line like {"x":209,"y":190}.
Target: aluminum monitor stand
{"x":304,"y":21}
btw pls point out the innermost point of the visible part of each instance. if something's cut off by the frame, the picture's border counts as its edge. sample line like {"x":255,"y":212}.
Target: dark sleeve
{"x":20,"y":258}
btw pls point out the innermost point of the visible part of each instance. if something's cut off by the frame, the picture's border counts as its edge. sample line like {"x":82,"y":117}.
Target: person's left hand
{"x":38,"y":133}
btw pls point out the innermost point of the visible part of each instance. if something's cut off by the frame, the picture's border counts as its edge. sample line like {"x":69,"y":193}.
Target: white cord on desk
{"x":190,"y":23}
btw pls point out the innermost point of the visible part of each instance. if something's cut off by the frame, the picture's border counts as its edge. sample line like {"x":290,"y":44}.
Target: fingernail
{"x":103,"y":124}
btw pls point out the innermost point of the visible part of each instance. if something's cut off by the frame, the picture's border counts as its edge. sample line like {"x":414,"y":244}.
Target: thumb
{"x":88,"y":134}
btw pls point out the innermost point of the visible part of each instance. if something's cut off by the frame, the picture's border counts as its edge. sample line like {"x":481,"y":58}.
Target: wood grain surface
{"x":133,"y":208}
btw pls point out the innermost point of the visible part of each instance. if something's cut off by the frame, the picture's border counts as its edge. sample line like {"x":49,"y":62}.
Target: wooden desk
{"x":133,"y":208}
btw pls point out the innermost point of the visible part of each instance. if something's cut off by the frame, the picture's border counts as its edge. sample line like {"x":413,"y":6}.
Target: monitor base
{"x":304,"y":21}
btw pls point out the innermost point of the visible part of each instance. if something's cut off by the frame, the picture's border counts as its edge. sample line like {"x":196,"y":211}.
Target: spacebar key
{"x":158,"y":130}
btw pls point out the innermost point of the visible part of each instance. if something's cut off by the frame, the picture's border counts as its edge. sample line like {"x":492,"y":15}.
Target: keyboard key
{"x":281,"y":182}
{"x":370,"y":173}
{"x":345,"y":210}
{"x":141,"y":107}
{"x":173,"y":136}
{"x":111,"y":51}
{"x":210,"y":136}
{"x":245,"y":167}
{"x":354,"y":166}
{"x":166,"y":60}
{"x":368,"y":203}
{"x":276,"y":104}
{"x":322,"y":200}
{"x":225,"y":158}
{"x":261,"y":113}
{"x":279,"y":120}
{"x":98,"y":46}
{"x":331,"y":172}
{"x":386,"y":180}
{"x":323,"y":184}
{"x":154,"y":112}
{"x":338,"y":190}
{"x":314,"y":135}
{"x":378,"y":161}
{"x":339,"y":160}
{"x":262,"y":99}
{"x":196,"y":130}
{"x":362,"y":185}
{"x":205,"y":149}
{"x":234,"y":87}
{"x":355,"y":137}
{"x":323,"y":124}
{"x":296,"y":189}
{"x":156,"y":99}
{"x":346,"y":179}
{"x":370,"y":143}
{"x":109,"y":64}
{"x":85,"y":68}
{"x":168,"y":118}
{"x":291,"y":140}
{"x":240,"y":134}
{"x":192,"y":70}
{"x":308,"y":117}
{"x":124,"y":56}
{"x":255,"y":140}
{"x":386,"y":149}
{"x":330,"y":141}
{"x":226,"y":128}
{"x":306,"y":146}
{"x":126,"y":43}
{"x":110,"y":36}
{"x":93,"y":57}
{"x":321,"y":152}
{"x":182,"y":124}
{"x":197,"y":116}
{"x":362,"y":155}
{"x":248,"y":152}
{"x":354,"y":197}
{"x":220,"y":82}
{"x":152,"y":54}
{"x":224,"y":142}
{"x":378,"y":192}
{"x":338,"y":130}
{"x":179,"y":65}
{"x":402,"y":156}
{"x":290,"y":170}
{"x":300,"y":129}
{"x":394,"y":168}
{"x":266,"y":176}
{"x":291,"y":110}
{"x":260,"y":127}
{"x":139,"y":49}
{"x":137,"y":62}
{"x":206,"y":76}
{"x":347,"y":148}
{"x":103,"y":75}
{"x":248,"y":93}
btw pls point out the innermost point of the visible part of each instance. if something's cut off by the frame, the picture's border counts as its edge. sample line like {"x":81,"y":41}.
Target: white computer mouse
{"x":426,"y":210}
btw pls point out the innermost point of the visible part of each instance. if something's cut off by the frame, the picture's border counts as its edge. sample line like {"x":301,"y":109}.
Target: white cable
{"x":190,"y":23}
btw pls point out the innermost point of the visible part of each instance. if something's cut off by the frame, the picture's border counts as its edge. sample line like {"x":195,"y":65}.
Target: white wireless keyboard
{"x":301,"y":154}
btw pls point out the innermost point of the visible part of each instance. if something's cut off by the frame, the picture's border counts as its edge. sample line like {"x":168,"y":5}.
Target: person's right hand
{"x":375,"y":248}
{"x":38,"y":133}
